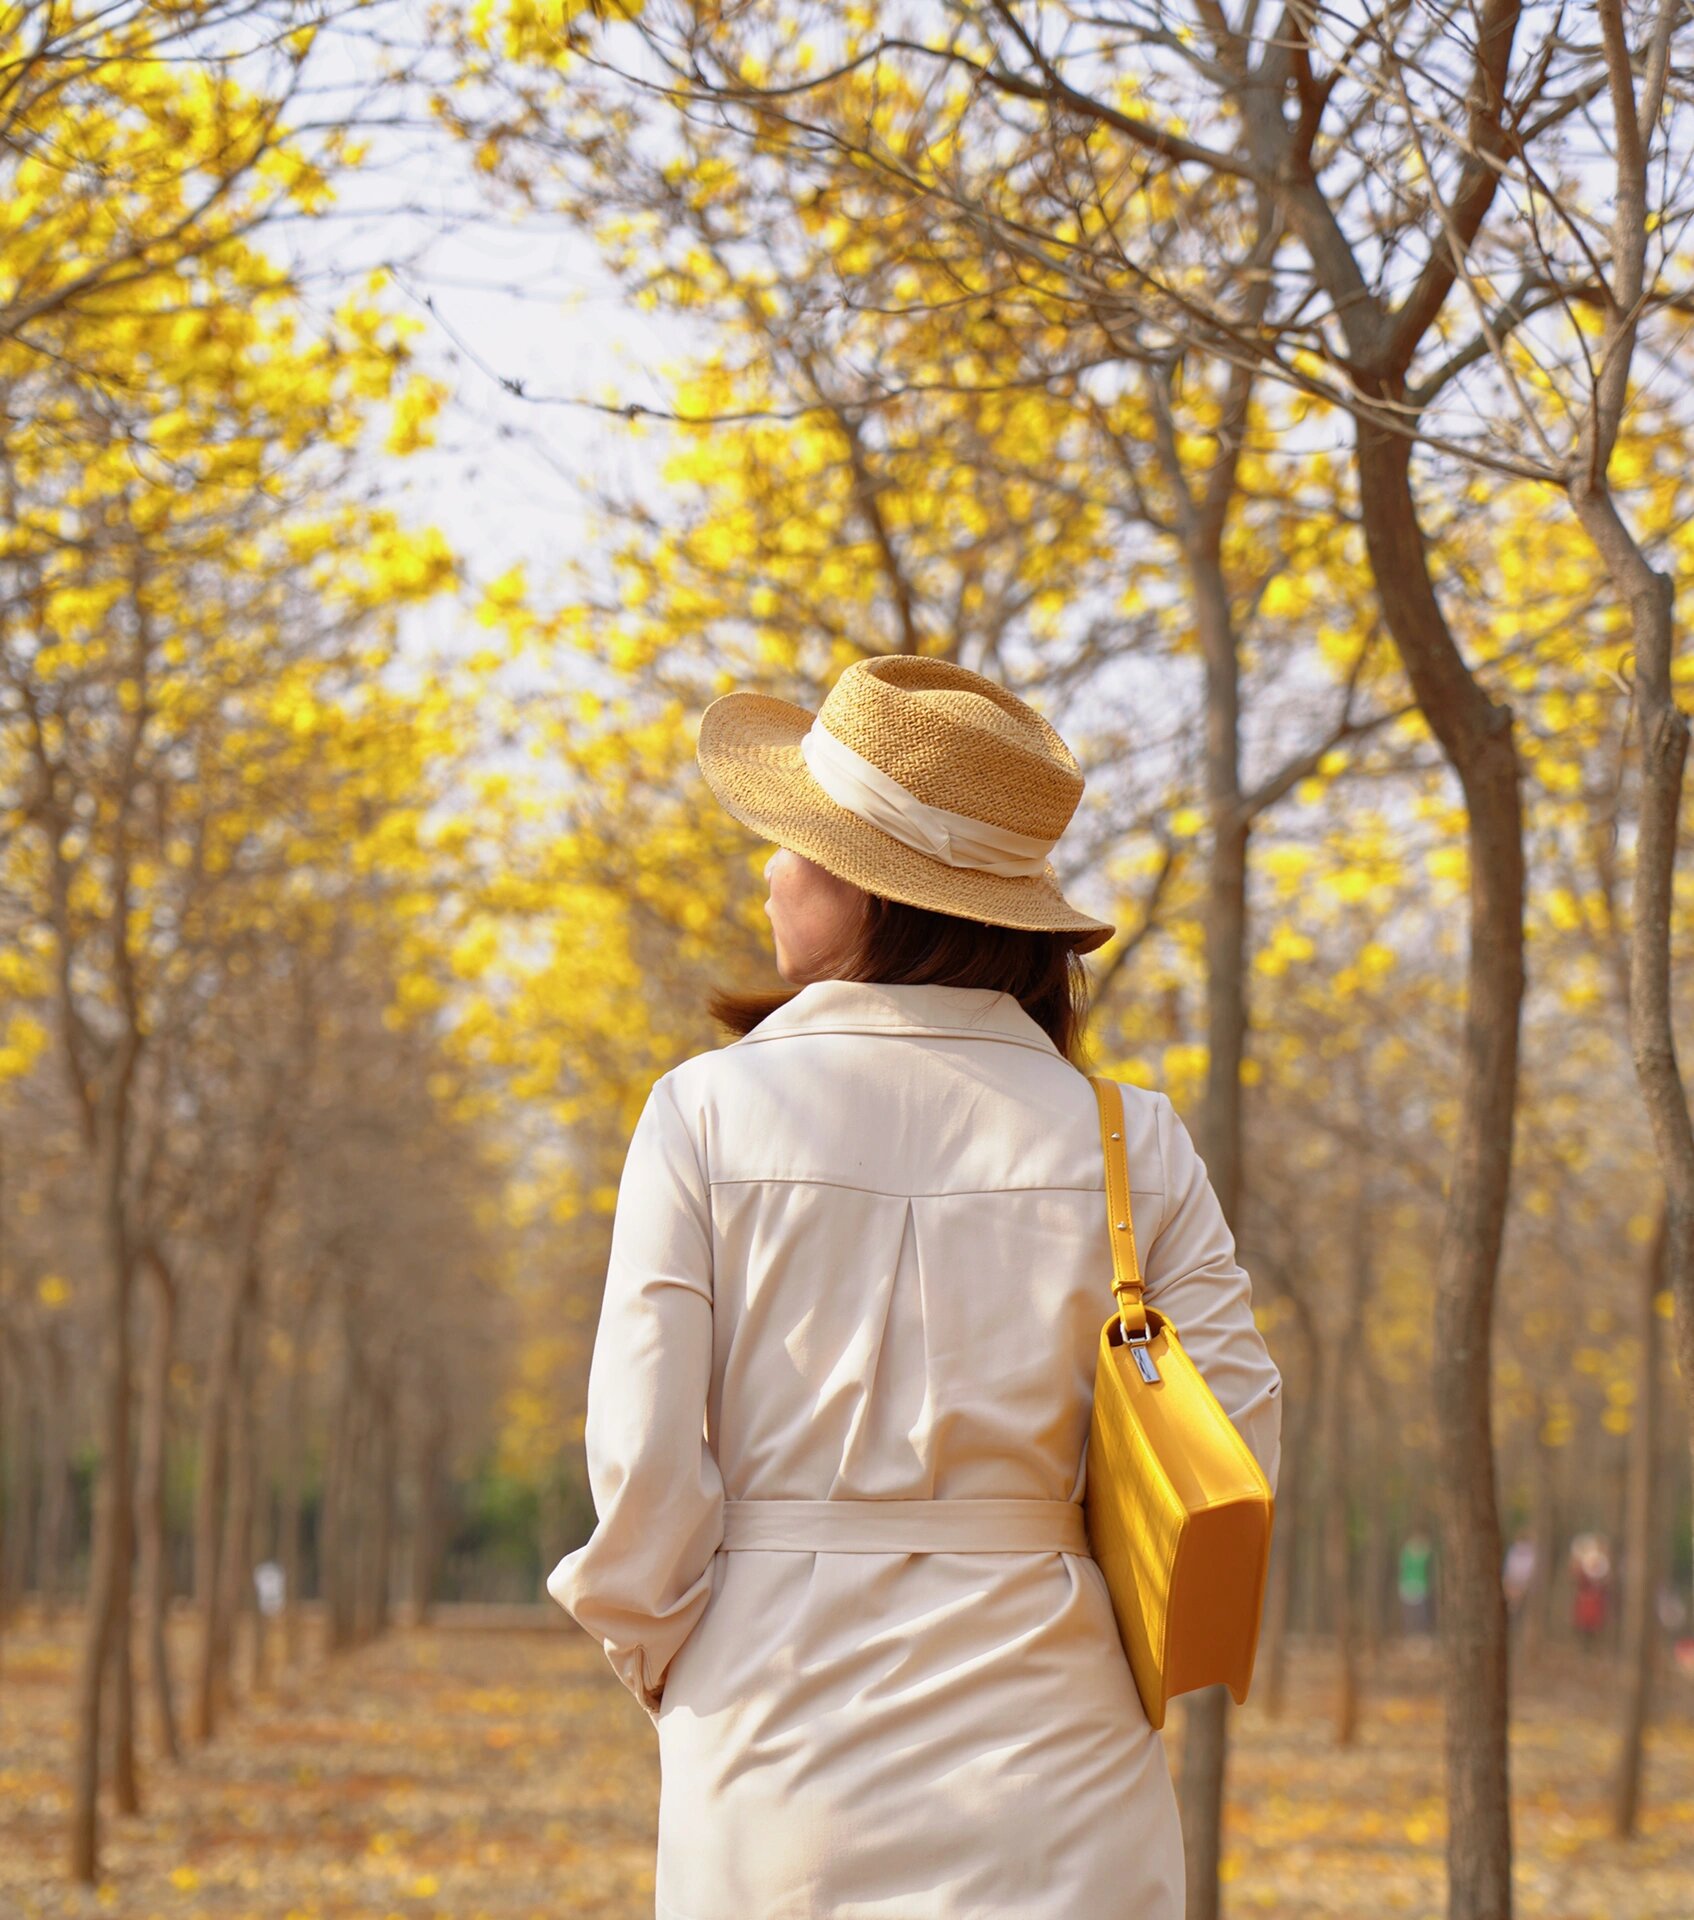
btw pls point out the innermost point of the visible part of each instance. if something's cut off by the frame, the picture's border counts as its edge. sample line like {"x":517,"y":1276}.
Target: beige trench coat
{"x":861,"y":1254}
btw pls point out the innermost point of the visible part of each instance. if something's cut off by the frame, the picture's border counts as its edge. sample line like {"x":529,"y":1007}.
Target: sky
{"x":527,"y":300}
{"x":503,"y":295}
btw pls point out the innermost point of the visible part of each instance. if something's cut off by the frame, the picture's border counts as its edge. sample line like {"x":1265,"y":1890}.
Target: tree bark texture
{"x":54,"y":1517}
{"x":293,"y":1492}
{"x":209,"y":1494}
{"x":1641,"y":1549}
{"x":150,"y":1499}
{"x":1341,"y":1365}
{"x":23,"y":1421}
{"x":235,"y":1572}
{"x":1291,"y":1495}
{"x":108,"y":1588}
{"x":427,"y":1534}
{"x":1476,"y":736}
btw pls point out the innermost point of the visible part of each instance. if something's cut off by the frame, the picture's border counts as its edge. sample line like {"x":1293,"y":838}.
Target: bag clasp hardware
{"x":1138,"y":1344}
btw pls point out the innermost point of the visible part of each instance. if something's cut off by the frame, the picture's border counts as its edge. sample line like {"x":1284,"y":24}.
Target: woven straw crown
{"x":953,"y":740}
{"x":976,"y":750}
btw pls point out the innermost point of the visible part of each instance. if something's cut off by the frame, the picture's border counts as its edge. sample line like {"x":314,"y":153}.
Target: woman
{"x":840,"y":1391}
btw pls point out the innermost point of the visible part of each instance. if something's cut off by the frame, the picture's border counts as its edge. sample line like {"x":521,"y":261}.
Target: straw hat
{"x":917,"y":780}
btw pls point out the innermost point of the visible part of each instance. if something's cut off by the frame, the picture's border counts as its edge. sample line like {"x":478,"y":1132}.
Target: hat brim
{"x":749,"y":753}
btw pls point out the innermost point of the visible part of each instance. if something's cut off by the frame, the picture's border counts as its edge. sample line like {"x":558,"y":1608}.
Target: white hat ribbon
{"x":855,"y":783}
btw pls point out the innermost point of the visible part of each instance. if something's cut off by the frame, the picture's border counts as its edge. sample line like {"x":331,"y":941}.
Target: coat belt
{"x":904,"y":1526}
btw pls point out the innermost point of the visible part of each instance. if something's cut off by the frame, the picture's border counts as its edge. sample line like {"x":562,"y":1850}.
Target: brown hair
{"x":900,"y":945}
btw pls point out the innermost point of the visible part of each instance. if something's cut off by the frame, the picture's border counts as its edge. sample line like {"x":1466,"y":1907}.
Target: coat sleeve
{"x":1192,"y":1275}
{"x":643,"y":1578}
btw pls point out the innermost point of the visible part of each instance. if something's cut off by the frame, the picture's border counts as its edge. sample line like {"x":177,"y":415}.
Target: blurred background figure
{"x":270,"y":1585}
{"x":1518,"y":1578}
{"x":1417,"y":1611}
{"x":1591,"y":1587}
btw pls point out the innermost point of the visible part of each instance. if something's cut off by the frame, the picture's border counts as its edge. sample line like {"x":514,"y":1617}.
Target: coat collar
{"x":865,"y":1006}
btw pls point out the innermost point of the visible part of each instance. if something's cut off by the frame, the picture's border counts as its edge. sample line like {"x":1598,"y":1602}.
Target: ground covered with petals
{"x":492,"y":1769}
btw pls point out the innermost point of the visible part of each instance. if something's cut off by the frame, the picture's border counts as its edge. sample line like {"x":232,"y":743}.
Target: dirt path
{"x":492,"y":1772}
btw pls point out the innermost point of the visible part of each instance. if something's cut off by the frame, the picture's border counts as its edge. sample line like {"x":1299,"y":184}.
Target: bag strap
{"x":1127,"y":1284}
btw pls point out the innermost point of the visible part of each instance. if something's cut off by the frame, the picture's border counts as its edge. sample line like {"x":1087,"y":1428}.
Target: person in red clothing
{"x":1591,"y":1586}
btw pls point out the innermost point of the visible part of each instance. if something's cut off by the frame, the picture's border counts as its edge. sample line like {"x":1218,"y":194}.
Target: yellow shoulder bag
{"x":1178,"y":1510}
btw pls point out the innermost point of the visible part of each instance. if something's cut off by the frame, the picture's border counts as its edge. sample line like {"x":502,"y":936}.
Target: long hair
{"x":900,"y":945}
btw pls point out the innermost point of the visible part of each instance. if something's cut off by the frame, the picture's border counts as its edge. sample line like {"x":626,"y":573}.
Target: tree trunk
{"x":1279,"y":1595}
{"x":1640,"y":1555}
{"x":55,"y":1482}
{"x":18,"y":1432}
{"x":10,"y":1446}
{"x":1662,"y":728}
{"x":427,"y":1536}
{"x":108,"y":1589}
{"x":337,"y":1559}
{"x":209,"y":1498}
{"x":1290,"y":1495}
{"x":366,"y":1495}
{"x":293,"y":1484}
{"x":329,"y":1522}
{"x":150,"y":1498}
{"x":126,"y":1788}
{"x":1338,"y":1451}
{"x":14,"y":1487}
{"x":236,"y":1569}
{"x":1477,"y":737}
{"x":1622,"y":1466}
{"x":364,"y":1509}
{"x":386,"y":1464}
{"x":261,"y":1535}
{"x":90,"y":1687}
{"x":360,"y":1517}
{"x":12,"y":1528}
{"x":1375,"y":1588}
{"x":1206,"y":1723}
{"x":222,"y":1560}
